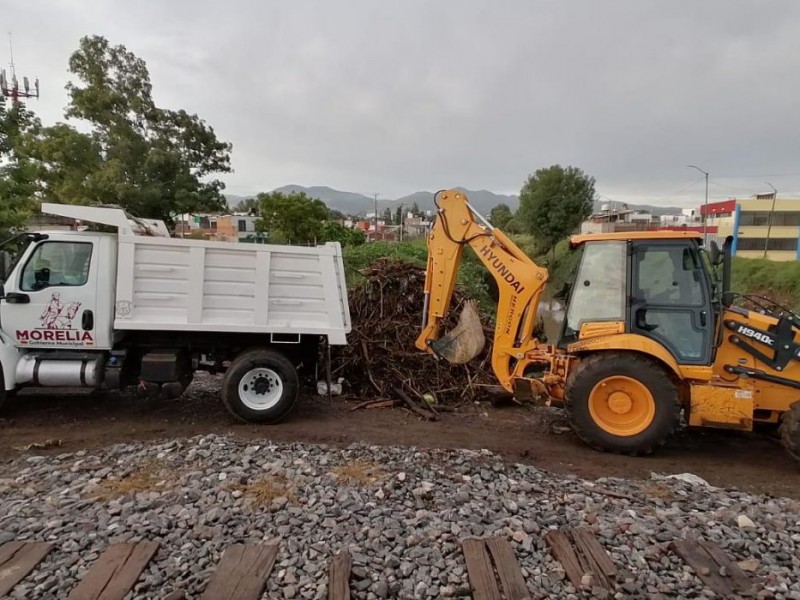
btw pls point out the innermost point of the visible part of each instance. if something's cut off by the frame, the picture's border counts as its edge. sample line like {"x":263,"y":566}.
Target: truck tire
{"x":260,"y":386}
{"x":790,"y":430}
{"x":622,"y":403}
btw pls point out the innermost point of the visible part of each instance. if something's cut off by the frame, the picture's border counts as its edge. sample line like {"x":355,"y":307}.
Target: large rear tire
{"x":790,"y":430}
{"x":260,"y":386}
{"x":622,"y":402}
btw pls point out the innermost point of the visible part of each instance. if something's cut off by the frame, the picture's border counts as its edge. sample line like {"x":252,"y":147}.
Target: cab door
{"x":671,"y":299}
{"x":50,"y":300}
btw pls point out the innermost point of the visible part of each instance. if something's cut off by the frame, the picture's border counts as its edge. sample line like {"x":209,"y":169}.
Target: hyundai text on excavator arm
{"x":649,"y":333}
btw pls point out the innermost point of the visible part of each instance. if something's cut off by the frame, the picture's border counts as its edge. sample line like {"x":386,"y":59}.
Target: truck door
{"x":49,"y":302}
{"x":671,"y":299}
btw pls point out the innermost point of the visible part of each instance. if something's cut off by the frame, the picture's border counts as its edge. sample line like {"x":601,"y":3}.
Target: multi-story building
{"x":762,"y":226}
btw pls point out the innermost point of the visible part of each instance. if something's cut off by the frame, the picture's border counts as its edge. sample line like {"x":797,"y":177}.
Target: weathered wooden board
{"x":339,"y":577}
{"x":713,"y":567}
{"x":242,"y":572}
{"x":115,"y":573}
{"x":581,"y":554}
{"x":480,"y":571}
{"x":17,"y":559}
{"x":508,"y":569}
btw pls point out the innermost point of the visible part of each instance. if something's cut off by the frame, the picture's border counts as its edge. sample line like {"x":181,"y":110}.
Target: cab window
{"x":598,"y":293}
{"x":57,"y":264}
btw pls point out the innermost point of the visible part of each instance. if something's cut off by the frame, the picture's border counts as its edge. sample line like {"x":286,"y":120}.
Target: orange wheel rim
{"x":621,"y":406}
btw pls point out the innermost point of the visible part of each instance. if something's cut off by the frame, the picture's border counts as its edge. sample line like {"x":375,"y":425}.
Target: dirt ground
{"x":752,"y":462}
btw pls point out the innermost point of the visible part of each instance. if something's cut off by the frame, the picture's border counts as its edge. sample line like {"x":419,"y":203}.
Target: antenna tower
{"x":10,"y":88}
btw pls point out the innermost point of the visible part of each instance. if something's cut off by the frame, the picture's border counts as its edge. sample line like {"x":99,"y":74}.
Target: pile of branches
{"x":382,"y":366}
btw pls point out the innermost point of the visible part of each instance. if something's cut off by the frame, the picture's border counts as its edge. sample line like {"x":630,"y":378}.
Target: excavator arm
{"x":519,"y":279}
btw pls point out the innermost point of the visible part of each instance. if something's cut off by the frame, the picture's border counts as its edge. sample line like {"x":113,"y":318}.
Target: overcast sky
{"x":396,"y":96}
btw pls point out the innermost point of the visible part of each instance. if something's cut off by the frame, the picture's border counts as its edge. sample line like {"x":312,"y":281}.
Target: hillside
{"x":353,"y":203}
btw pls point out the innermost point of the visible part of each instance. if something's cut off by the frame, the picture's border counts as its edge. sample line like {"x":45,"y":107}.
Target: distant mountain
{"x":349,"y":203}
{"x":483,"y":201}
{"x":233,"y":199}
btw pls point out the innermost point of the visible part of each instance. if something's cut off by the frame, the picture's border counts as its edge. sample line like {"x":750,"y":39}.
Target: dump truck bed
{"x":172,"y":284}
{"x":193,"y":285}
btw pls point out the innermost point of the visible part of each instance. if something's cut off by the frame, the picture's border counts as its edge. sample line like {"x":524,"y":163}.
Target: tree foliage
{"x":336,"y":232}
{"x":17,"y":171}
{"x":295,"y":218}
{"x":152,"y":161}
{"x":554,"y":202}
{"x":500,"y":216}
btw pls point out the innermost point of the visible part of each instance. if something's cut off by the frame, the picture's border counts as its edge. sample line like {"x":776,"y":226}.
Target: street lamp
{"x":705,"y":211}
{"x":769,"y":221}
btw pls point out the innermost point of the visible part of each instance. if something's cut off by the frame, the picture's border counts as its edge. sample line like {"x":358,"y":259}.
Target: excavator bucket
{"x":465,"y":341}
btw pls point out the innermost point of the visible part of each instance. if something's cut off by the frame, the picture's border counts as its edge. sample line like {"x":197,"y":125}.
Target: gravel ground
{"x":401,"y":513}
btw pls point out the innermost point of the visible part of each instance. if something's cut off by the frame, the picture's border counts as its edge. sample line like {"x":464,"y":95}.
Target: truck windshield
{"x":10,"y":252}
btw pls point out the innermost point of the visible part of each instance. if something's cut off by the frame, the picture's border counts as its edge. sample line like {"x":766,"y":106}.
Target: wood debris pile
{"x":381,"y":364}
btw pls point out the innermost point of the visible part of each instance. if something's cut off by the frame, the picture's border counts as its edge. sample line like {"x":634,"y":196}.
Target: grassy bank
{"x":779,"y":281}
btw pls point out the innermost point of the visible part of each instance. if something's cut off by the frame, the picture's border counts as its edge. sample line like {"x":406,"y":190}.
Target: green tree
{"x":336,"y":232}
{"x":415,"y":210}
{"x":336,"y":215}
{"x":387,"y":216}
{"x":17,"y":171}
{"x":554,"y":202}
{"x":152,"y":161}
{"x":500,"y":216}
{"x":398,"y":216}
{"x":295,"y":218}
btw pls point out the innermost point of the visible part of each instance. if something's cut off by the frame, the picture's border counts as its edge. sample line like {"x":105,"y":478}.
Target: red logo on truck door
{"x":56,"y":320}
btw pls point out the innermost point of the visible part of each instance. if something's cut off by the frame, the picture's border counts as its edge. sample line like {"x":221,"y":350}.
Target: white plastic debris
{"x":336,"y":387}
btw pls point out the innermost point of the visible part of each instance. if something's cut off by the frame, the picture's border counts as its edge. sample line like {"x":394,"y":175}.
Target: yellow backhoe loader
{"x":650,"y":332}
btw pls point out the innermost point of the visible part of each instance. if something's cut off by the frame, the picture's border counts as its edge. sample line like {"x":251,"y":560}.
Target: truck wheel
{"x":623,"y":403}
{"x":790,"y":430}
{"x":260,"y":386}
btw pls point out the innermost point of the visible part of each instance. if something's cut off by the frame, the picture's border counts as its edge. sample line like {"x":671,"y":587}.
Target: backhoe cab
{"x":649,"y":333}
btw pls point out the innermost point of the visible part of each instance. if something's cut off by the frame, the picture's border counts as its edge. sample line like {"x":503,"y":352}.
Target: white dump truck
{"x":135,"y":307}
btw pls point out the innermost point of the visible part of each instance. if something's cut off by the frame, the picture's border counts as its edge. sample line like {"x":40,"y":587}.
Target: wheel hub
{"x":622,"y":406}
{"x":260,"y":389}
{"x":261,"y":386}
{"x":620,"y":402}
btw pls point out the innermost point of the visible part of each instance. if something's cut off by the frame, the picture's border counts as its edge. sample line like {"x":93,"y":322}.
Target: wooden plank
{"x":17,"y":559}
{"x":339,"y":577}
{"x":115,"y":573}
{"x":508,"y":569}
{"x":561,"y":547}
{"x":704,"y":566}
{"x":479,"y":569}
{"x":242,"y":572}
{"x":598,"y":562}
{"x":741,"y":582}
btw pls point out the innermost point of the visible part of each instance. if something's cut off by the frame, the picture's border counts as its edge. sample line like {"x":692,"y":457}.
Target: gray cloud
{"x":400,"y":95}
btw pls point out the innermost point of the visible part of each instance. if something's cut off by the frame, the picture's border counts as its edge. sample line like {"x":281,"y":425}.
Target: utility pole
{"x":376,"y":214}
{"x":769,"y":220}
{"x":401,"y":222}
{"x":705,"y":210}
